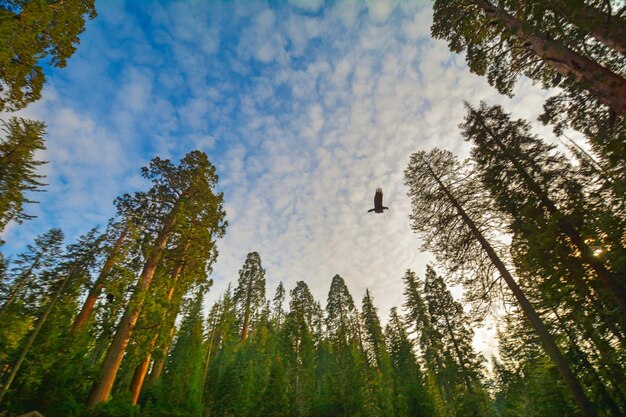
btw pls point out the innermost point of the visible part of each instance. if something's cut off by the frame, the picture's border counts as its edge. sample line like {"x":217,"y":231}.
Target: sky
{"x":305,"y":107}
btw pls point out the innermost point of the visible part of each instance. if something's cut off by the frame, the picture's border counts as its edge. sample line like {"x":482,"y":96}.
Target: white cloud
{"x":299,"y":147}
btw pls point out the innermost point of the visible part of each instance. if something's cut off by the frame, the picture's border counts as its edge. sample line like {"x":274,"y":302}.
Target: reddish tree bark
{"x":142,"y":369}
{"x":113,"y":359}
{"x":94,"y":293}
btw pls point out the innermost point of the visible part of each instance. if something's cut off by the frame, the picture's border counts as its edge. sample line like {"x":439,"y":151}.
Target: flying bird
{"x":378,"y":202}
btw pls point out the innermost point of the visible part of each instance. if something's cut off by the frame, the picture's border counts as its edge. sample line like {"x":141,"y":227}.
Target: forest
{"x":116,"y":323}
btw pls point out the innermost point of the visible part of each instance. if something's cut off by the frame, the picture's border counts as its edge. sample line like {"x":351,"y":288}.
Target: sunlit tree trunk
{"x":142,"y":369}
{"x":94,"y":293}
{"x":113,"y":359}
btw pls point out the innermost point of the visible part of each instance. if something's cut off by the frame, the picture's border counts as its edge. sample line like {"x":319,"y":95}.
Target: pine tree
{"x":64,"y":284}
{"x":378,"y":361}
{"x":452,"y":328}
{"x":526,"y":379}
{"x":299,"y":349}
{"x":184,"y":196}
{"x":115,"y":252}
{"x":503,"y":45}
{"x":31,"y":31}
{"x":556,"y":43}
{"x":440,"y":217}
{"x":182,"y":382}
{"x":410,"y":395}
{"x":278,"y":312}
{"x":275,"y":402}
{"x":249,"y":294}
{"x":22,"y":139}
{"x":38,"y":258}
{"x":538,"y":189}
{"x":345,"y":378}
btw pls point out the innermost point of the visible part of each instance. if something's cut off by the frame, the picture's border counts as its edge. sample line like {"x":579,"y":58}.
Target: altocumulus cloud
{"x":304,"y":107}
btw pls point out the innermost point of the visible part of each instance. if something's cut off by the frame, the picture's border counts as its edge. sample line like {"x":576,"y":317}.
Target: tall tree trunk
{"x":17,"y":286}
{"x":459,"y":354}
{"x":142,"y":369}
{"x":607,"y":29}
{"x":33,"y":336}
{"x":607,"y":86}
{"x":159,"y":362}
{"x":113,"y":359}
{"x":94,"y":293}
{"x":608,"y":279}
{"x":586,"y":407}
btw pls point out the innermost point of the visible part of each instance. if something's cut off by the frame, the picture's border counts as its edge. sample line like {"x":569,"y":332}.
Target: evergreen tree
{"x":410,"y":396}
{"x":340,"y":312}
{"x":275,"y":402}
{"x":249,"y":294}
{"x":549,"y":42}
{"x":378,"y":361}
{"x":182,"y":195}
{"x":440,"y":217}
{"x":53,"y":314}
{"x":21,"y":140}
{"x":299,"y":349}
{"x":38,"y":258}
{"x":527,"y":382}
{"x":345,"y":356}
{"x":181,"y":387}
{"x":504,"y":43}
{"x":537,"y":188}
{"x":31,"y":31}
{"x":278,"y":312}
{"x":452,"y":328}
{"x":115,"y":249}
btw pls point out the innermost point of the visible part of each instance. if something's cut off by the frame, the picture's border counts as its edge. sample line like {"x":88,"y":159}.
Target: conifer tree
{"x":378,"y":361}
{"x":340,"y":312}
{"x":526,"y":381}
{"x":451,"y":327}
{"x":31,"y":31}
{"x":21,"y":140}
{"x":538,"y":189}
{"x":275,"y":402}
{"x":410,"y":396}
{"x":448,"y":228}
{"x":182,"y":381}
{"x":298,"y":331}
{"x":40,"y":257}
{"x":278,"y":312}
{"x":342,"y":326}
{"x":249,"y":295}
{"x":64,"y":283}
{"x":181,"y":195}
{"x":121,"y":231}
{"x":503,"y":45}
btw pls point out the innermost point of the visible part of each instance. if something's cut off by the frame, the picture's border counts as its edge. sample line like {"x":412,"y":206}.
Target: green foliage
{"x":578,"y":46}
{"x":181,"y":386}
{"x":21,"y":140}
{"x":30,"y":31}
{"x":249,"y":294}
